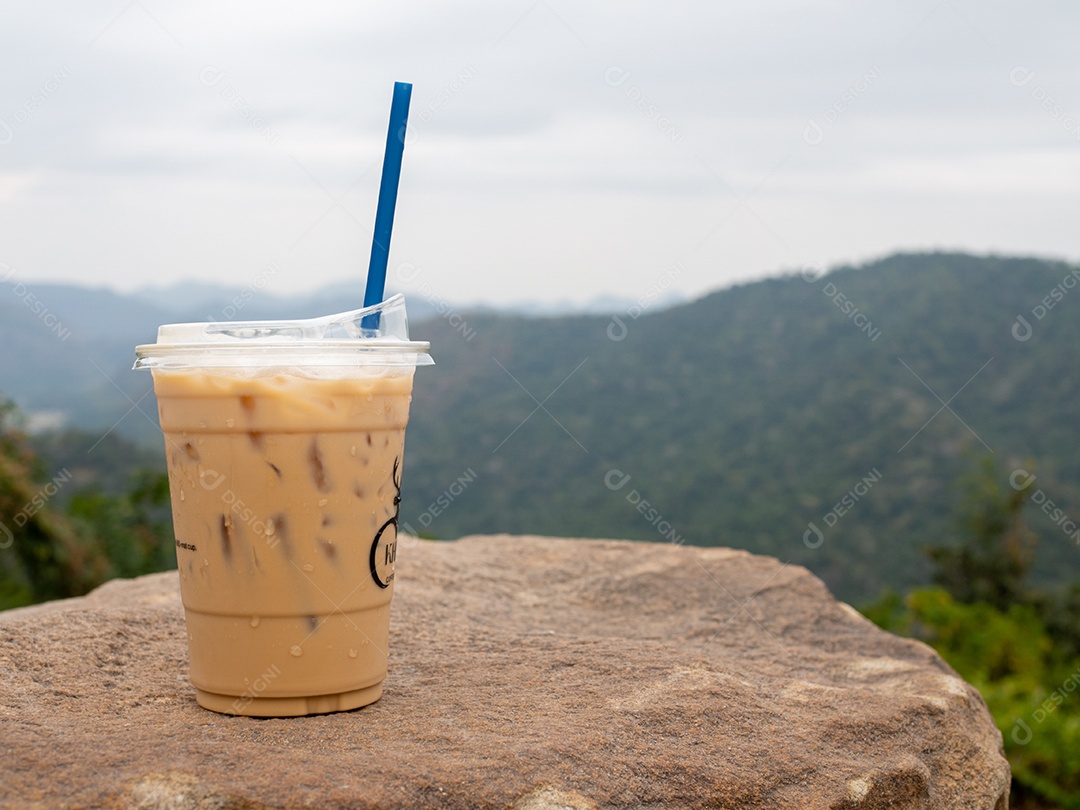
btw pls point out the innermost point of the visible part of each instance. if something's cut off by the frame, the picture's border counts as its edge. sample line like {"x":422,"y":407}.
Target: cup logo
{"x":384,"y":546}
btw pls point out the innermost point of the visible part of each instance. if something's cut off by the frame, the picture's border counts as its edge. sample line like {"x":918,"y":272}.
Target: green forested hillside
{"x":748,"y":415}
{"x":801,"y":417}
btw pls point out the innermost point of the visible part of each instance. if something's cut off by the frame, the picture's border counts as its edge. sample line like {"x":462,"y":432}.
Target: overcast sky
{"x":557,"y":150}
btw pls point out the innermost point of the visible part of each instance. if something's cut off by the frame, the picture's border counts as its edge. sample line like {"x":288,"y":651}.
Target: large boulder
{"x":525,"y":672}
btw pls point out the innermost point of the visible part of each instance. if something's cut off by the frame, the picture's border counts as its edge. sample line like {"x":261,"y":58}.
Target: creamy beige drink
{"x":285,"y":484}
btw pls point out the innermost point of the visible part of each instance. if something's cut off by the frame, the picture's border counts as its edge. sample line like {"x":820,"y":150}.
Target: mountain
{"x":200,"y":301}
{"x":824,"y":420}
{"x":66,"y":350}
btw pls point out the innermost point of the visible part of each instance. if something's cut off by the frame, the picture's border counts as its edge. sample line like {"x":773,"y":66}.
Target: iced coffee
{"x":285,"y":476}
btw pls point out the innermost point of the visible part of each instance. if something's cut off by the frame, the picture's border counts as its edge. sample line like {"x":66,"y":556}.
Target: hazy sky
{"x":558,"y":150}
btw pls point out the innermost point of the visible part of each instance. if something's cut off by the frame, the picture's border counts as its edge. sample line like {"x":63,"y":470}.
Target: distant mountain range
{"x":201,"y":302}
{"x":821,"y":419}
{"x":67,"y":349}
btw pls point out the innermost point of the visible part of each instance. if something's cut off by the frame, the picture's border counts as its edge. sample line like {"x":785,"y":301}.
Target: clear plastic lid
{"x":373,"y":336}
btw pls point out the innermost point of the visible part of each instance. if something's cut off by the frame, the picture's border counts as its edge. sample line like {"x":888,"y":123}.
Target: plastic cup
{"x":285,"y":446}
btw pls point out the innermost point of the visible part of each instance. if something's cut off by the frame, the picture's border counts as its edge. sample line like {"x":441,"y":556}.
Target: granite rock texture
{"x":527,"y":673}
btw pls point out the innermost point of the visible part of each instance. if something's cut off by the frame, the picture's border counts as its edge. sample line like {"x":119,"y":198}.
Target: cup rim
{"x":374,"y":336}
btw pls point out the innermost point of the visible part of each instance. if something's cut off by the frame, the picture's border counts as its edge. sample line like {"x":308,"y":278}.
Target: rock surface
{"x":525,"y":672}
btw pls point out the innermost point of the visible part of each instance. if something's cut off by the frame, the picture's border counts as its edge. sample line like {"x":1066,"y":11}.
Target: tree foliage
{"x":59,"y":538}
{"x":992,"y":563}
{"x":1020,"y":647}
{"x":746,"y":415}
{"x":47,"y":557}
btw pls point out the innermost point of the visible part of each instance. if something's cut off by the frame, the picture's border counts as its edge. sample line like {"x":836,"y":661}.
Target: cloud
{"x":716,"y":131}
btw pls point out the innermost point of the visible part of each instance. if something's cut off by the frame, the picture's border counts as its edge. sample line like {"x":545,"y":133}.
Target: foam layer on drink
{"x":285,"y":490}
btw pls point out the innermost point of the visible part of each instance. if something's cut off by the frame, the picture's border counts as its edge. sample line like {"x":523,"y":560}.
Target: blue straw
{"x":388,"y":188}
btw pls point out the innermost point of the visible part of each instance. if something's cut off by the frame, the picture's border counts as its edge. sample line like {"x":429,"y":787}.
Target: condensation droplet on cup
{"x":200,"y":441}
{"x":353,"y":653}
{"x":352,"y":452}
{"x":295,"y":651}
{"x":230,"y":422}
{"x":182,"y":495}
{"x":269,"y":526}
{"x":323,"y":501}
{"x":309,"y":567}
{"x":254,"y":621}
{"x":202,"y":423}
